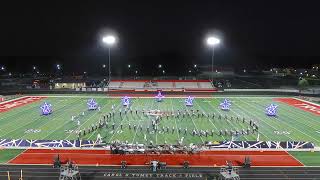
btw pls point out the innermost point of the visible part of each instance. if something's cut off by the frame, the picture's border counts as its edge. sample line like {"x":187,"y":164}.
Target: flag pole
{"x":8,"y":173}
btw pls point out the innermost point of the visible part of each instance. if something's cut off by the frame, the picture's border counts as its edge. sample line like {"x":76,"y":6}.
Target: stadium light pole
{"x":212,"y":41}
{"x":129,"y":68}
{"x":159,"y":66}
{"x":109,"y":40}
{"x":136,"y":74}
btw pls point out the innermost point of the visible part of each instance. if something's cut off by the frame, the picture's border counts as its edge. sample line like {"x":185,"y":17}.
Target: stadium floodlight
{"x":109,"y":40}
{"x":3,"y":68}
{"x":103,"y":66}
{"x":129,"y":66}
{"x":159,"y":66}
{"x":58,"y":66}
{"x":163,"y":71}
{"x":195,"y":66}
{"x":212,"y":41}
{"x":136,"y":72}
{"x":34,"y":67}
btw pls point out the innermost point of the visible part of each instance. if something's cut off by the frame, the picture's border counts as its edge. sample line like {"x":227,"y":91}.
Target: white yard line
{"x":127,"y":120}
{"x":48,"y":121}
{"x":292,"y":127}
{"x":230,"y":122}
{"x":175,"y":121}
{"x":87,"y":121}
{"x":257,"y":118}
{"x":159,"y":123}
{"x":241,"y":124}
{"x":193,"y":122}
{"x":305,"y":101}
{"x":139,"y":123}
{"x":28,"y":124}
{"x":79,"y":128}
{"x":174,"y":97}
{"x":301,"y":114}
{"x":211,"y":121}
{"x":15,"y":99}
{"x":22,"y":110}
{"x":117,"y":127}
{"x":247,"y":116}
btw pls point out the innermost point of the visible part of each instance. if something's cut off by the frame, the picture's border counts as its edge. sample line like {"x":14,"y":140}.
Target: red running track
{"x":206,"y":158}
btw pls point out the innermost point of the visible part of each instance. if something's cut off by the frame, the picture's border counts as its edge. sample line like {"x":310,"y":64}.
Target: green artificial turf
{"x":8,"y":154}
{"x":292,"y":124}
{"x":307,"y":158}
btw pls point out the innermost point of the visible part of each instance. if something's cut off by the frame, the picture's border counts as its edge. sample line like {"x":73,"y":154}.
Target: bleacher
{"x":133,"y":84}
{"x":205,"y":85}
{"x":186,"y":85}
{"x":126,"y":84}
{"x":114,"y":84}
{"x":165,"y":85}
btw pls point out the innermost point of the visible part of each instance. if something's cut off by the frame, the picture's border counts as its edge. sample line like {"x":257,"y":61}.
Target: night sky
{"x":254,"y":33}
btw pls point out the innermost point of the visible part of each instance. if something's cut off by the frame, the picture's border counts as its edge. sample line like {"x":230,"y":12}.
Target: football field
{"x":291,"y":123}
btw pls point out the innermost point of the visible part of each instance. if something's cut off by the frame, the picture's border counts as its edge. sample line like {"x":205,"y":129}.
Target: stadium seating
{"x":205,"y":85}
{"x":114,"y":84}
{"x":165,"y":85}
{"x":137,"y":84}
{"x":186,"y":85}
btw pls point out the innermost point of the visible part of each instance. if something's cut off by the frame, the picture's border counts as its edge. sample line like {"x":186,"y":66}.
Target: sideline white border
{"x":4,"y":102}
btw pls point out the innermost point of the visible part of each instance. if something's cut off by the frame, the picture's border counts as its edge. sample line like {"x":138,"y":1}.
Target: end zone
{"x":8,"y":105}
{"x":301,"y":104}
